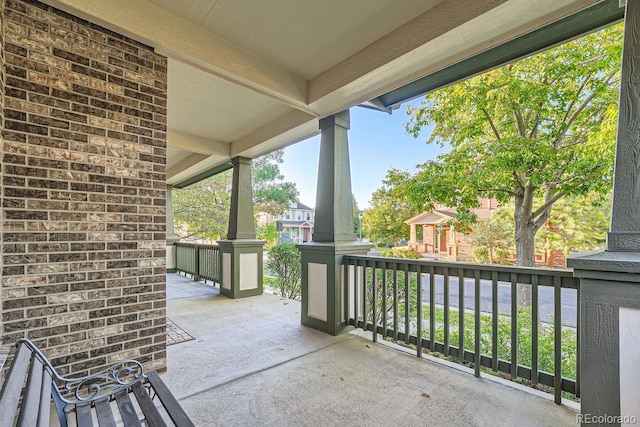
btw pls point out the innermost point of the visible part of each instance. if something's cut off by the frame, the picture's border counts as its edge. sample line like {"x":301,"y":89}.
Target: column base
{"x":323,"y":289}
{"x":242,"y":267}
{"x":609,"y":332}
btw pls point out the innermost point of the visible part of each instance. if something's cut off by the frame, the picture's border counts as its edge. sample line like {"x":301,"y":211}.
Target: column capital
{"x":239,"y":159}
{"x":341,"y":119}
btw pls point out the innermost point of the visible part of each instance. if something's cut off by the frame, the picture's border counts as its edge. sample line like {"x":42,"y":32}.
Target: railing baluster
{"x":407,"y":306}
{"x":384,"y":300}
{"x":346,"y":293}
{"x":432,"y":307}
{"x":477,"y":354}
{"x":461,"y":314}
{"x":557,"y":342}
{"x":577,"y":338}
{"x":494,"y":320}
{"x":395,"y":302}
{"x":364,"y":296}
{"x":419,"y":314}
{"x":535,"y":306}
{"x":514,"y":326}
{"x":446,"y":310}
{"x":374,"y":304}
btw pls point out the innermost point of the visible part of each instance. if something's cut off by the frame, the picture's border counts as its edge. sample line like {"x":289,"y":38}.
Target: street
{"x":545,"y":298}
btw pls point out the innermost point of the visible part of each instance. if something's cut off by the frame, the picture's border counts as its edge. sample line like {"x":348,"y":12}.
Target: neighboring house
{"x":294,"y":225}
{"x":432,"y":234}
{"x":434,"y":237}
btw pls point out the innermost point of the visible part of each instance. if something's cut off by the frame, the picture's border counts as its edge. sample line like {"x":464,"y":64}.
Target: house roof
{"x":301,"y":206}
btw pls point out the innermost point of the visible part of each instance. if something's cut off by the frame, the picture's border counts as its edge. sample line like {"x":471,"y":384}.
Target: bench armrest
{"x":101,"y":385}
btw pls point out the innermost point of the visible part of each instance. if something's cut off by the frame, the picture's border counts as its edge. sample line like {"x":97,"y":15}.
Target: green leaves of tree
{"x":202,"y":209}
{"x":543,"y":127}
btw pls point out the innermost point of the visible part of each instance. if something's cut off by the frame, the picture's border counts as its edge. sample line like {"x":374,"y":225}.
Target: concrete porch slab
{"x":253,"y":364}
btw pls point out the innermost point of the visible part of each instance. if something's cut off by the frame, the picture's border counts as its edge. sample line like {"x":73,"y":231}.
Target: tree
{"x":538,"y":129}
{"x":577,"y":224}
{"x":271,"y":194}
{"x":493,"y":238}
{"x":203,"y":208}
{"x":385,"y":219}
{"x":268,"y":233}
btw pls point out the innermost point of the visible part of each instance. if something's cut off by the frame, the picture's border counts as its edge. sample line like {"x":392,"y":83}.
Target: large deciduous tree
{"x":202,"y":209}
{"x":385,"y":219}
{"x":539,"y":129}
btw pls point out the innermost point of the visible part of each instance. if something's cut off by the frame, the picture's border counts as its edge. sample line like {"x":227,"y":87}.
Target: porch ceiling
{"x":247,"y":76}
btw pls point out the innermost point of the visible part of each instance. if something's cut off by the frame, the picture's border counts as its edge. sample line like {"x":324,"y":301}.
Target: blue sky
{"x":377,"y":143}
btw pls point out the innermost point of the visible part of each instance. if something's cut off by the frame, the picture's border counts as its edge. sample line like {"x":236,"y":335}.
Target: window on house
{"x":287,"y":215}
{"x":298,"y":216}
{"x":308,"y":216}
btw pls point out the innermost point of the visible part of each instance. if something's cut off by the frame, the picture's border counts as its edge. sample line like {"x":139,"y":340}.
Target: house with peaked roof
{"x":294,"y":225}
{"x":432,"y":232}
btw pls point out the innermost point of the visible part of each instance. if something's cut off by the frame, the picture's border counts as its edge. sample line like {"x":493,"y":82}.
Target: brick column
{"x":84,"y":197}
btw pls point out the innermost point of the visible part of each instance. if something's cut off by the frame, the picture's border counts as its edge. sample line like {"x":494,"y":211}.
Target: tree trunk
{"x":525,"y":245}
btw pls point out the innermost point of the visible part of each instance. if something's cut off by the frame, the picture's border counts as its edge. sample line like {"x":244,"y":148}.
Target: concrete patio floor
{"x":253,"y":364}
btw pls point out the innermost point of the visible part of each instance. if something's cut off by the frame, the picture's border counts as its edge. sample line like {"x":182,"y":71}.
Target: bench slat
{"x":151,"y":415}
{"x":105,"y":416}
{"x":175,"y":411}
{"x":45,"y":400}
{"x":83,"y":415}
{"x":127,"y":411}
{"x":12,"y":387}
{"x":31,"y":400}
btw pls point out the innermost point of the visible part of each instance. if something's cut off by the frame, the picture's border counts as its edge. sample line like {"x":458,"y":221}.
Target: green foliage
{"x":545,"y":338}
{"x":271,"y":194}
{"x":284,"y":262}
{"x":577,"y":224}
{"x":385,"y":305}
{"x":268,"y":233}
{"x":384,"y":221}
{"x":541,"y":128}
{"x":202,"y":209}
{"x":400,"y":253}
{"x":493,"y":239}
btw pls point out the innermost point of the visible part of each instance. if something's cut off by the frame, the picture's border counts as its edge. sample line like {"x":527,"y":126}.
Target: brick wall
{"x":83,"y":196}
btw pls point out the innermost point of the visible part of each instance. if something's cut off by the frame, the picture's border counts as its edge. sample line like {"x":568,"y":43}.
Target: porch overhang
{"x":238,"y":85}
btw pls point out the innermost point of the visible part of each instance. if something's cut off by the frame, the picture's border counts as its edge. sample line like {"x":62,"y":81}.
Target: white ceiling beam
{"x":422,"y":29}
{"x":288,"y":129}
{"x":448,"y":33}
{"x":175,"y":37}
{"x":185,"y":164}
{"x":197,"y":144}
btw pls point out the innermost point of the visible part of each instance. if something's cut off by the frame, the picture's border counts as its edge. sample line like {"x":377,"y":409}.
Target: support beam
{"x":610,"y":279}
{"x":323,"y":287}
{"x":241,"y":253}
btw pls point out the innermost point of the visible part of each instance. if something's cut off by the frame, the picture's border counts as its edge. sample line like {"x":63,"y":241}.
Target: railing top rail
{"x":504,"y":272}
{"x":197,"y":245}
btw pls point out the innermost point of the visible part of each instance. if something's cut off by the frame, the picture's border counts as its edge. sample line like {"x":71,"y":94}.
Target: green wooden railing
{"x":202,"y":262}
{"x":480,"y":323}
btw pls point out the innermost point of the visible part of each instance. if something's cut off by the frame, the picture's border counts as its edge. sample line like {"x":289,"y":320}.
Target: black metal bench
{"x":121,"y":393}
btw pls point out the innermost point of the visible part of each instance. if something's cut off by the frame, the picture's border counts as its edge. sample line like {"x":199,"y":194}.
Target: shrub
{"x":284,"y":262}
{"x":401,"y":253}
